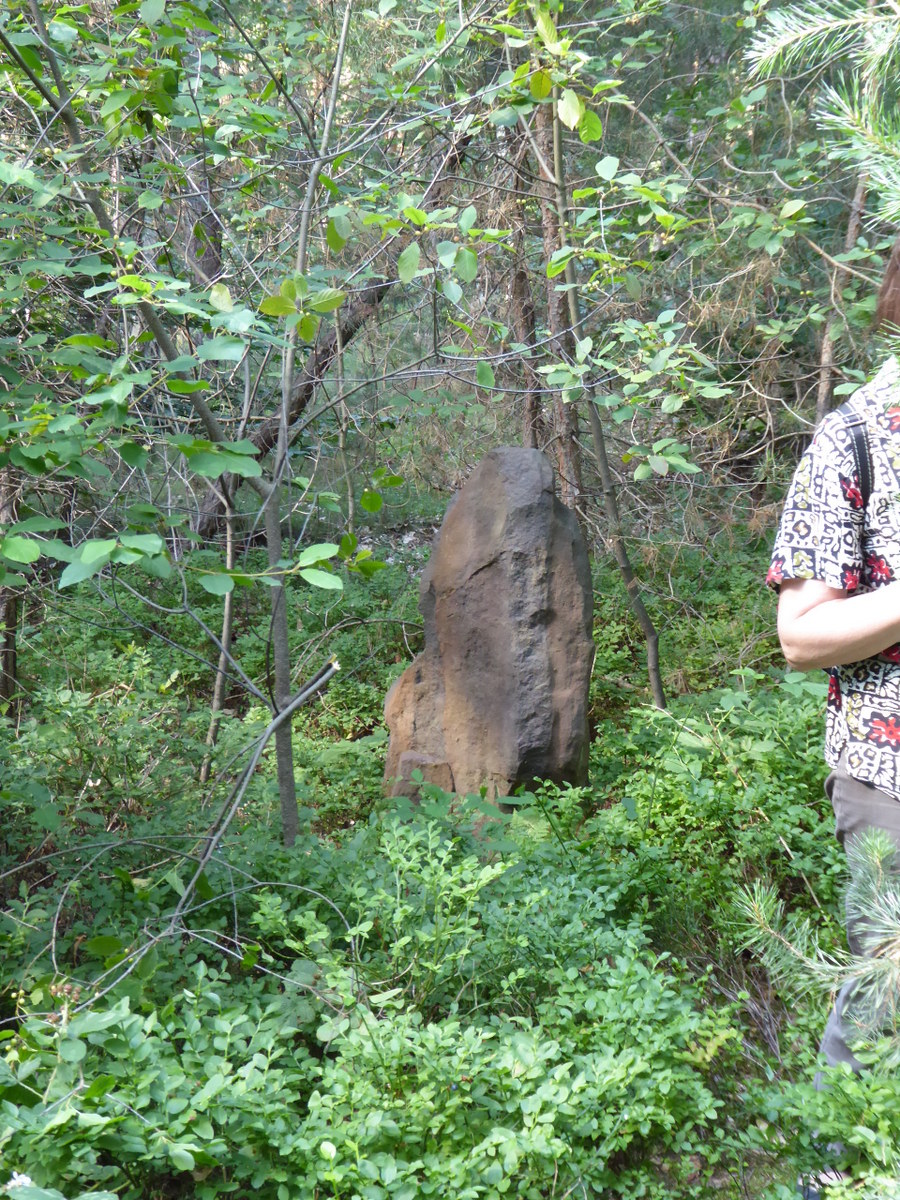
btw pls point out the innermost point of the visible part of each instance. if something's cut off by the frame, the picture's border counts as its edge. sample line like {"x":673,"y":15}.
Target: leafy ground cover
{"x":558,"y":1004}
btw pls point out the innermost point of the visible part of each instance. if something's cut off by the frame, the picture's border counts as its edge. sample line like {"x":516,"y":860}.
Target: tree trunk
{"x":218,"y":697}
{"x":607,"y":481}
{"x":281,"y":655}
{"x":826,"y":356}
{"x":522,"y":320}
{"x":9,"y":606}
{"x":564,"y":417}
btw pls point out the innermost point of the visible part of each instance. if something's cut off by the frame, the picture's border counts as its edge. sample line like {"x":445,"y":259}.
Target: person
{"x":836,"y":567}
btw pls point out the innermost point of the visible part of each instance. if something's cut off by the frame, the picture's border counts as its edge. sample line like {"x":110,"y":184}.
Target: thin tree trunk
{"x":344,"y":423}
{"x":522,"y":320}
{"x":826,"y":356}
{"x":218,"y":696}
{"x":620,"y":553}
{"x":607,"y":481}
{"x":9,"y":607}
{"x":521,"y":310}
{"x":281,"y":656}
{"x":565,"y":425}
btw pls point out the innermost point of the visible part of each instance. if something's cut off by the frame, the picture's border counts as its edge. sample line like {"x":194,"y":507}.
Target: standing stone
{"x":499,"y":695}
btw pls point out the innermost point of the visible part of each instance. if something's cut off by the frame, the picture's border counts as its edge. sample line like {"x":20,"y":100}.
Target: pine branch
{"x":788,"y":946}
{"x":817,"y":33}
{"x":867,"y":133}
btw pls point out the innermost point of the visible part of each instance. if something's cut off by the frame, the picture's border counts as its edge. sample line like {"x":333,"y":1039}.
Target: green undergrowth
{"x":416,"y":1010}
{"x":440,"y":999}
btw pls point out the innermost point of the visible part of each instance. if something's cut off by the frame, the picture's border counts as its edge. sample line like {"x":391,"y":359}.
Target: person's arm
{"x":823,"y":626}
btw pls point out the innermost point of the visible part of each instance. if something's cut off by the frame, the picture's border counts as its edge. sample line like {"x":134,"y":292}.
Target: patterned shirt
{"x":828,"y":533}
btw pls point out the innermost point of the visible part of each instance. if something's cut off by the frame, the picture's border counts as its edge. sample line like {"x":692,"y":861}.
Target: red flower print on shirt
{"x":892,"y":654}
{"x":878,"y":569}
{"x":775,"y":573}
{"x":850,"y":578}
{"x":851,"y":490}
{"x":834,"y":692}
{"x":885,"y":732}
{"x":893,"y":419}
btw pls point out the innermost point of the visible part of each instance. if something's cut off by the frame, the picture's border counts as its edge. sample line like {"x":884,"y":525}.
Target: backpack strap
{"x":862,"y":455}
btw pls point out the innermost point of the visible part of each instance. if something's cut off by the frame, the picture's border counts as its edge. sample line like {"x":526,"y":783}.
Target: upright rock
{"x":499,"y":695}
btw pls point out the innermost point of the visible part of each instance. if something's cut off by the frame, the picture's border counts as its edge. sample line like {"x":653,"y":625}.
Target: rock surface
{"x":499,"y":695}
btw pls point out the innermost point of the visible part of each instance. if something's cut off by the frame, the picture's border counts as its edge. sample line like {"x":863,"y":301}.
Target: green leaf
{"x":790,"y":208}
{"x":102,"y":947}
{"x":446,"y":252}
{"x":317,"y":553}
{"x":506,"y":117}
{"x":20,"y":549}
{"x":102,"y":1085}
{"x":371,"y":501}
{"x":212,"y":465}
{"x":184,"y":362}
{"x":467,"y":218}
{"x":484,"y":373}
{"x":157,"y":566}
{"x":308,"y":327}
{"x":277,"y":306}
{"x":37,"y":524}
{"x":558,"y":260}
{"x":541,"y":85}
{"x":570,"y":108}
{"x":451,"y":290}
{"x":590,"y":127}
{"x":326,"y":300}
{"x":14,"y":175}
{"x":96,"y":548}
{"x":335,"y":235}
{"x":408,"y":262}
{"x":152,"y":10}
{"x":322,"y":579}
{"x":222,"y":349}
{"x":220,"y":298}
{"x":143,"y":543}
{"x":466,"y":264}
{"x":217,"y":585}
{"x":181,"y":1158}
{"x":72,"y":1050}
{"x":184,"y":387}
{"x":607,"y":167}
{"x":77,"y":570}
{"x":212,"y":459}
{"x":545,"y":27}
{"x":134,"y":455}
{"x":47,"y":816}
{"x":114,"y":102}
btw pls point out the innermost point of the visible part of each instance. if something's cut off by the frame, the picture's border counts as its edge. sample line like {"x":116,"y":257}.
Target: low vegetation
{"x":413,"y":1001}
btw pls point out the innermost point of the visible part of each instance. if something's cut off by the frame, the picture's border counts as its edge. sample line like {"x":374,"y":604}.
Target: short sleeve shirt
{"x":828,"y":533}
